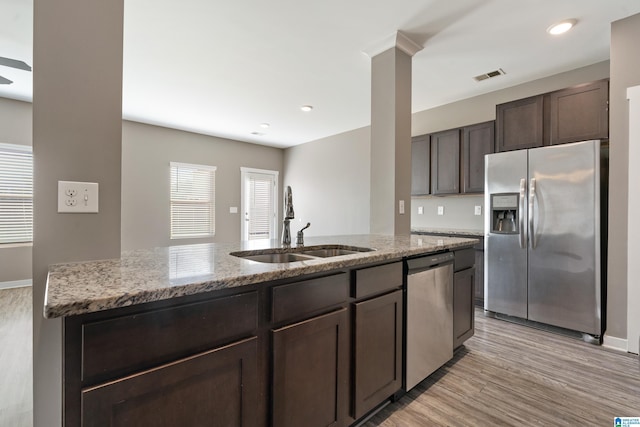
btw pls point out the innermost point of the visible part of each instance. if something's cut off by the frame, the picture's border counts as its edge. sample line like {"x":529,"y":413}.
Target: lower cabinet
{"x":463,"y":306}
{"x":377,"y":350}
{"x":217,"y":387}
{"x":310,"y":372}
{"x":479,"y":276}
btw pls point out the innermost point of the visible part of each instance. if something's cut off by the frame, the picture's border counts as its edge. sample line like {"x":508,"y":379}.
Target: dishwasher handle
{"x":425,"y":262}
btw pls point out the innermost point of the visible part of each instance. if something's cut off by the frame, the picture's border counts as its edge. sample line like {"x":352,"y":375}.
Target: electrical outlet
{"x":440,"y":210}
{"x":478,"y":210}
{"x":77,"y":197}
{"x":420,"y":210}
{"x":233,"y":209}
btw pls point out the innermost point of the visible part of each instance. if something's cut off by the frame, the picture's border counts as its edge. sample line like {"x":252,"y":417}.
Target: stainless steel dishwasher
{"x":429,"y":308}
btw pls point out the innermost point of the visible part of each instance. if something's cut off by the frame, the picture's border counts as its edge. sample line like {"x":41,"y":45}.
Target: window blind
{"x":16,"y":194}
{"x":192,"y":200}
{"x":261,"y":209}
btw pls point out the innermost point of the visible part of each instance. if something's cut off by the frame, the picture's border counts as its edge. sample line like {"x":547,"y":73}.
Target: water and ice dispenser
{"x":504,"y":213}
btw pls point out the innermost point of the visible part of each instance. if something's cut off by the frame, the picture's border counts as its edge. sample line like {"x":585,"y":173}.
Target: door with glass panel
{"x":259,"y":204}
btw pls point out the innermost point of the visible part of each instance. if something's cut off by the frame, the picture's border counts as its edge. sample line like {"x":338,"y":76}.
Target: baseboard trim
{"x":615,"y":343}
{"x":16,"y":284}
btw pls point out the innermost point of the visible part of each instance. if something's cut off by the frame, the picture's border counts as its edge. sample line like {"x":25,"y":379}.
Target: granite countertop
{"x":148,"y":275}
{"x":447,"y":231}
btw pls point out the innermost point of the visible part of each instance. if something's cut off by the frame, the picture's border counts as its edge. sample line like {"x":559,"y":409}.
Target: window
{"x":16,"y":193}
{"x":192,"y":200}
{"x":259,"y":195}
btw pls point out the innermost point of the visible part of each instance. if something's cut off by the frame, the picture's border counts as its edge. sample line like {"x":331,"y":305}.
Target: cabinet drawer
{"x":295,"y":300}
{"x":464,"y":258}
{"x":374,"y":280}
{"x":127,"y":344}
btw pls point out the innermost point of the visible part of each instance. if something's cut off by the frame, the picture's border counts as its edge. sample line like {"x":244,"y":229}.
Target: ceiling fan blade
{"x":4,"y":81}
{"x":14,"y":63}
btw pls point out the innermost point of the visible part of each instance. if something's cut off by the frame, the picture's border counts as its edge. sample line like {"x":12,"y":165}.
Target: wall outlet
{"x":420,"y":210}
{"x":233,"y":209}
{"x":478,"y":210}
{"x":401,"y":206}
{"x":440,"y":210}
{"x":77,"y":197}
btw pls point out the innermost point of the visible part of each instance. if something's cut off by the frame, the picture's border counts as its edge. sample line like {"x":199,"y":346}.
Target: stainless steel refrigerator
{"x":545,"y":235}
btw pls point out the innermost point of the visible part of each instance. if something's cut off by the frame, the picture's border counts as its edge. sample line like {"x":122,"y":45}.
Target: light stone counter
{"x":142,"y":276}
{"x":450,"y":232}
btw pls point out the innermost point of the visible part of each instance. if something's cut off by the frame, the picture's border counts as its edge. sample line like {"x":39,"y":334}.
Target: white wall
{"x":15,"y":128}
{"x":146,"y":153}
{"x":330,"y":183}
{"x":633,"y":293}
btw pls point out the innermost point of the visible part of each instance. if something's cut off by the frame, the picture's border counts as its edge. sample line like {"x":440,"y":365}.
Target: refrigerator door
{"x":505,"y":284}
{"x":564,"y":254}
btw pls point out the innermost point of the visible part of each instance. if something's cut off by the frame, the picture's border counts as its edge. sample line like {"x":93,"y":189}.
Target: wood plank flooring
{"x":512,"y":375}
{"x":16,"y":397}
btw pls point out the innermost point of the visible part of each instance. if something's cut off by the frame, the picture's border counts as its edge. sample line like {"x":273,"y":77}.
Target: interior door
{"x":564,"y":257}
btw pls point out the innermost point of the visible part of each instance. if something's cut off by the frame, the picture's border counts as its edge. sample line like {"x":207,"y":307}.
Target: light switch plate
{"x":401,"y":207}
{"x":233,"y":209}
{"x":77,"y":197}
{"x":478,"y":210}
{"x":440,"y":210}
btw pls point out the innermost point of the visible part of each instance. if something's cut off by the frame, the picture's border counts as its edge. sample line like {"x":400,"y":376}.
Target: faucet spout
{"x":288,"y":216}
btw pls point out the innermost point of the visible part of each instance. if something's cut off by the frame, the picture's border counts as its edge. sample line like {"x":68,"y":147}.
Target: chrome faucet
{"x":300,"y":237}
{"x":288,"y":216}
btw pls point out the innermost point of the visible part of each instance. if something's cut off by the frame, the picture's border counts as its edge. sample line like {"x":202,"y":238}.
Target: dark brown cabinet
{"x":463,"y":296}
{"x":217,"y":387}
{"x":420,"y":175}
{"x":579,"y":113}
{"x":377,"y":350}
{"x":479,"y":275}
{"x":520,"y":124}
{"x":477,"y":140}
{"x":310,"y":372}
{"x":445,"y":162}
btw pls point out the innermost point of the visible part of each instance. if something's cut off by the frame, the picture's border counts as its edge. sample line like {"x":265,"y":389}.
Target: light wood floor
{"x":512,"y":375}
{"x":16,"y":401}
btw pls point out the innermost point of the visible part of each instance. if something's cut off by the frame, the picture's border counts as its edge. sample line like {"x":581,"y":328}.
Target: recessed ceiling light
{"x":561,"y":27}
{"x":306,"y":108}
{"x":265,"y":125}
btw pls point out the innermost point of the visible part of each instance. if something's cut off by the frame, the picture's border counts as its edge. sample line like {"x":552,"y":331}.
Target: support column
{"x":391,"y":135}
{"x":77,"y":133}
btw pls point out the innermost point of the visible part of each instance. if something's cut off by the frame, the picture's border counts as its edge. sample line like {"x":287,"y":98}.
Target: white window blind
{"x":261,"y":209}
{"x":192,"y":200}
{"x":16,"y":193}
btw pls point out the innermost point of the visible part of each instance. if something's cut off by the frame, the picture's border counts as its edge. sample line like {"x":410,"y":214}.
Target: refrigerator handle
{"x":521,"y":207}
{"x":532,"y":197}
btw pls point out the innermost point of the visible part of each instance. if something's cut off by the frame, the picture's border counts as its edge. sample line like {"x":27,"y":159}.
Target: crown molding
{"x":398,"y":40}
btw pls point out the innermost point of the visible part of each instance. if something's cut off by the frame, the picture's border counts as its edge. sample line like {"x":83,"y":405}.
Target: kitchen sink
{"x":299,"y":254}
{"x":326,"y":253}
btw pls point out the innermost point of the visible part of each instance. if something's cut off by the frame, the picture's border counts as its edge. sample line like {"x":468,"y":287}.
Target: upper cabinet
{"x":420,"y":175}
{"x":445,"y":162}
{"x":579,"y":113}
{"x":477,"y":140}
{"x":520,"y":124}
{"x":573,"y":114}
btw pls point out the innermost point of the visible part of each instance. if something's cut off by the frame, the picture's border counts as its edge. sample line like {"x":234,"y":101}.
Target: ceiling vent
{"x":489,"y":75}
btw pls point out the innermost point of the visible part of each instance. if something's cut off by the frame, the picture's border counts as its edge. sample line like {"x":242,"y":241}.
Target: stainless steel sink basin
{"x":326,"y":253}
{"x":299,"y":254}
{"x":276,"y":258}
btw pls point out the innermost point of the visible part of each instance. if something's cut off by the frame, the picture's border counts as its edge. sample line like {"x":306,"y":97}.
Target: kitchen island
{"x":189,"y":334}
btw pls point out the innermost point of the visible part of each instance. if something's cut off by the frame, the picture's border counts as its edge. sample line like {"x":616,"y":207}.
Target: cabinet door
{"x":420,"y":165}
{"x":445,"y":162}
{"x":580,"y":113}
{"x":477,"y":140}
{"x":520,"y":124}
{"x":377,"y":351}
{"x":479,"y":278}
{"x":463,"y":292}
{"x":214,"y":388}
{"x":310,"y":368}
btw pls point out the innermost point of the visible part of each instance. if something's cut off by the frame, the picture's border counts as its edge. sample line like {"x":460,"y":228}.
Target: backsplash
{"x":458,"y":212}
